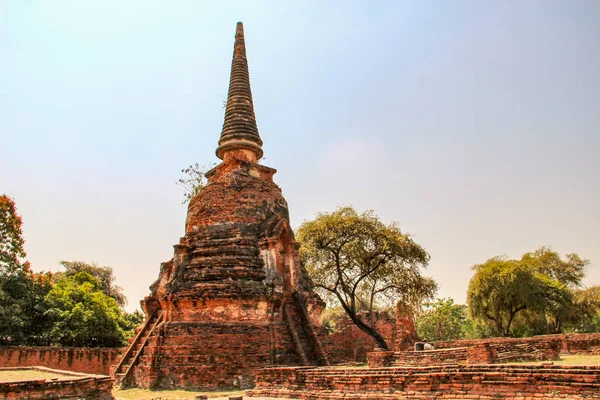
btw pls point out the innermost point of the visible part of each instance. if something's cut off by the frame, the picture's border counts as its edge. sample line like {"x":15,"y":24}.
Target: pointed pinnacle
{"x":239,"y":128}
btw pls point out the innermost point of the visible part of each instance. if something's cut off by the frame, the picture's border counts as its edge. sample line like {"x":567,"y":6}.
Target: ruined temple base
{"x":482,"y":382}
{"x":209,"y":355}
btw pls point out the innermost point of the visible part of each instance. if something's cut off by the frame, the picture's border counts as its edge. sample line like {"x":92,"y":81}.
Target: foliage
{"x":569,"y":273}
{"x":21,"y":310}
{"x":442,"y":320}
{"x":331,"y":317}
{"x":104,"y":275}
{"x":21,"y":290}
{"x":133,"y":320}
{"x":358,"y":261}
{"x":78,"y":307}
{"x":11,"y":237}
{"x":82,"y":315}
{"x":532,"y":295}
{"x":193,"y":181}
{"x":584,"y":315}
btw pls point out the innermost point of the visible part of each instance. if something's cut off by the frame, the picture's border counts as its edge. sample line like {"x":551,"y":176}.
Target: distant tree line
{"x":540,"y":293}
{"x":352,"y":259}
{"x":360,"y":265}
{"x":81,"y":306}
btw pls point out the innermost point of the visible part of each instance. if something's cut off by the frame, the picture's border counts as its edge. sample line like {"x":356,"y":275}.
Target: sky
{"x":474,"y":125}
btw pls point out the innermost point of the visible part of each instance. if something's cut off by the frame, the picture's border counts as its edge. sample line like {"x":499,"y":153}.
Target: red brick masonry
{"x":522,"y":382}
{"x":478,"y":352}
{"x":80,"y":386}
{"x":574,"y":343}
{"x":87,"y":360}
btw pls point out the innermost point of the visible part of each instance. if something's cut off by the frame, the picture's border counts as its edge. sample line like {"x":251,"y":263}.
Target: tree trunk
{"x":371,"y":331}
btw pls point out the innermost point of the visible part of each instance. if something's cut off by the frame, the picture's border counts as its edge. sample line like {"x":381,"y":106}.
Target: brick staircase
{"x":122,"y":371}
{"x":306,"y":342}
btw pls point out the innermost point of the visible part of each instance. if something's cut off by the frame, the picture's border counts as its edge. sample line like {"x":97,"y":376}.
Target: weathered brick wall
{"x":350,"y":344}
{"x":209,"y":356}
{"x":527,"y":382}
{"x":481,"y":354}
{"x":87,"y":360}
{"x":548,"y":345}
{"x":498,"y":350}
{"x":582,"y":343}
{"x":79,"y":387}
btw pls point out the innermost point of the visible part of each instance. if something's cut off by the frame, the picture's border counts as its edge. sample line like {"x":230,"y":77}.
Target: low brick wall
{"x":87,"y":360}
{"x":582,"y":343}
{"x":479,"y":354}
{"x":525,"y":382}
{"x":80,"y":386}
{"x":575,"y":343}
{"x":537,"y":348}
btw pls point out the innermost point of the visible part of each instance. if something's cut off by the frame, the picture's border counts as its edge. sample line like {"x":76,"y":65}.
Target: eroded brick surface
{"x":234,"y":297}
{"x":523,"y":382}
{"x":88,"y":360}
{"x":90,"y":387}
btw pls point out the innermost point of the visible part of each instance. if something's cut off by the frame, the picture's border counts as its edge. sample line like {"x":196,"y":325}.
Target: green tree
{"x":567,"y":275}
{"x":21,"y":290}
{"x":501,"y":288}
{"x":82,"y":315}
{"x":570,"y":271}
{"x":11,"y":237}
{"x":104,"y":275}
{"x":584,"y":314}
{"x":358,"y":261}
{"x":134,"y":319}
{"x":442,"y":320}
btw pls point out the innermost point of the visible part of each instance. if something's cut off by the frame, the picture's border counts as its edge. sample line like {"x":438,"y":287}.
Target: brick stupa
{"x":234,"y":297}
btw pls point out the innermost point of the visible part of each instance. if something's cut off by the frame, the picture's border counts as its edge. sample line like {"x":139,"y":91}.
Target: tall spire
{"x":240,"y":133}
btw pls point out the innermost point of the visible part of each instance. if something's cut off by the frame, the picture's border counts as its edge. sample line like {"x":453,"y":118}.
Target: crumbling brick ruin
{"x":65,"y":385}
{"x":234,"y":297}
{"x":481,"y":382}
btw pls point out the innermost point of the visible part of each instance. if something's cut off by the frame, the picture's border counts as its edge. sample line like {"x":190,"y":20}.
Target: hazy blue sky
{"x":475,"y":125}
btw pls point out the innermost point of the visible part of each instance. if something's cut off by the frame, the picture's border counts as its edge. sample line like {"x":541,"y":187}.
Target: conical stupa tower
{"x":234,"y":297}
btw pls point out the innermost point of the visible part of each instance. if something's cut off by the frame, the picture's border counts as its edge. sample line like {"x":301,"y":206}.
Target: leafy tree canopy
{"x":82,"y":315}
{"x":442,"y":320}
{"x":360,"y":262}
{"x":21,"y":290}
{"x":548,"y":262}
{"x":583,"y":314}
{"x":11,"y":237}
{"x":103,"y":274}
{"x":540,"y":282}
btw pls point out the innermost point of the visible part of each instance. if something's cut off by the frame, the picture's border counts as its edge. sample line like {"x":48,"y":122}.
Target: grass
{"x":572,"y":359}
{"x":30,"y":375}
{"x":145,"y":394}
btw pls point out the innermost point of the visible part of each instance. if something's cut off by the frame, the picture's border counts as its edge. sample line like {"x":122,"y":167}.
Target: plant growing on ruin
{"x":193,"y":181}
{"x":358,"y":261}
